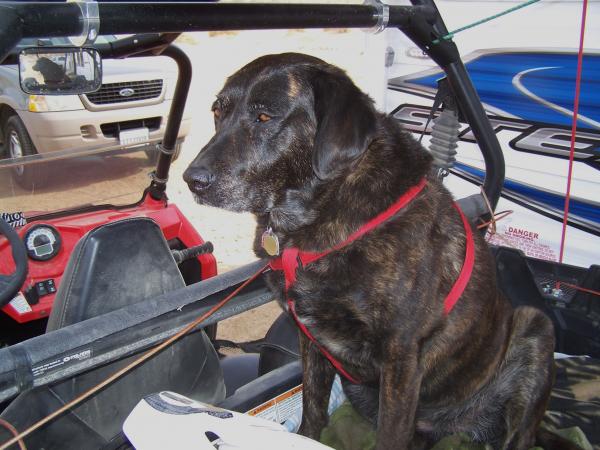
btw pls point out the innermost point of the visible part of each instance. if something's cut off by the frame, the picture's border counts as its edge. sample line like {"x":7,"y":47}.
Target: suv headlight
{"x":44,"y":103}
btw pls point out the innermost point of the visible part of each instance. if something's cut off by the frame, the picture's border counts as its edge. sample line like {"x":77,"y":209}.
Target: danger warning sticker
{"x":280,"y":408}
{"x":528,"y":241}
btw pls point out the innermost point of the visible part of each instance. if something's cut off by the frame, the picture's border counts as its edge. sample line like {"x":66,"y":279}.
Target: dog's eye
{"x":263,"y":118}
{"x":216,"y":112}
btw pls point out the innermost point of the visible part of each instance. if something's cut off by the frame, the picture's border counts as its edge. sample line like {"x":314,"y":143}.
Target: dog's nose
{"x":199,"y":179}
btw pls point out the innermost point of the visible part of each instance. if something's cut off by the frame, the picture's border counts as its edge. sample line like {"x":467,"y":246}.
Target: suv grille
{"x":113,"y":129}
{"x":113,"y":92}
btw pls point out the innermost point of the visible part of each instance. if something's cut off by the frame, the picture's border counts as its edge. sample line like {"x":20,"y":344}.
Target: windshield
{"x":66,"y":151}
{"x":109,"y":177}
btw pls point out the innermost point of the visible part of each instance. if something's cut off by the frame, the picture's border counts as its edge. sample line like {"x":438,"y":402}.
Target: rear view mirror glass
{"x":60,"y":70}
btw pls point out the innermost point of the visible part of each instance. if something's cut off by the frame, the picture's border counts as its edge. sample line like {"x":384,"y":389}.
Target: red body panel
{"x":72,"y":228}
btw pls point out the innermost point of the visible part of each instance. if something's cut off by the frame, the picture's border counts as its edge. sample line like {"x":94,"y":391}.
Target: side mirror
{"x":60,"y":70}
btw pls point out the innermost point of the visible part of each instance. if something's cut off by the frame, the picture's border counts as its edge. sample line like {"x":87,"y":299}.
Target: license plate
{"x":135,"y":136}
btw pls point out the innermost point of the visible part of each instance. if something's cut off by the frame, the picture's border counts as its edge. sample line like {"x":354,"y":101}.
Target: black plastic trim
{"x":128,"y":330}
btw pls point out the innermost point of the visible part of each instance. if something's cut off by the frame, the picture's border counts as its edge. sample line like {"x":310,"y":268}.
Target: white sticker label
{"x":135,"y":136}
{"x":66,"y":360}
{"x":14,"y":219}
{"x":527,"y":240}
{"x":280,"y":408}
{"x":19,"y":304}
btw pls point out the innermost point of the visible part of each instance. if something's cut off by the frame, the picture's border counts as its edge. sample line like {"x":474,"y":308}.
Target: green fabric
{"x":575,"y":435}
{"x":573,"y":413}
{"x":348,"y":430}
{"x":462,"y":442}
{"x":575,"y":400}
{"x":459,"y":442}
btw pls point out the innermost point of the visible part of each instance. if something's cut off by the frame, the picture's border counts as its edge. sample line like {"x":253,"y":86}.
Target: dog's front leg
{"x":317,"y":379}
{"x":400,"y":383}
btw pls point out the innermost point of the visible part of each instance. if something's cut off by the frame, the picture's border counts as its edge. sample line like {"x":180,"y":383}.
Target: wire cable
{"x":484,"y":20}
{"x":14,"y":432}
{"x":573,"y":130}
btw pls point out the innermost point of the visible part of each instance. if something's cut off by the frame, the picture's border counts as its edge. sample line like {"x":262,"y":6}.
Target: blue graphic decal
{"x":544,"y":86}
{"x":551,"y":200}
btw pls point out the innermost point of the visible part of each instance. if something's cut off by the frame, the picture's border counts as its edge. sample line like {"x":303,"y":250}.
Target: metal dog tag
{"x":270,"y":242}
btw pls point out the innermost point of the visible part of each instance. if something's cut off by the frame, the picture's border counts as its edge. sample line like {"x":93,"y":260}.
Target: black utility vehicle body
{"x":92,"y":335}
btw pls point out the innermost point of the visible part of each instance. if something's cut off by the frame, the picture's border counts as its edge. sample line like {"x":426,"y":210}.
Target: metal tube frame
{"x":167,"y":147}
{"x":123,"y":332}
{"x":445,"y":53}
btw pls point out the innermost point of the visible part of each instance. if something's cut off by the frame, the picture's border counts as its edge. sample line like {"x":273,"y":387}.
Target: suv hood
{"x":138,"y":69}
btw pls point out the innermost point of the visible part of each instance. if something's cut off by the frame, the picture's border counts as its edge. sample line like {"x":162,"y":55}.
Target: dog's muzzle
{"x":198,"y":179}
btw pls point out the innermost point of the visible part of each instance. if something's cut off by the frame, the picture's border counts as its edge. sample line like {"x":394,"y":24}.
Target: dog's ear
{"x":346,"y":122}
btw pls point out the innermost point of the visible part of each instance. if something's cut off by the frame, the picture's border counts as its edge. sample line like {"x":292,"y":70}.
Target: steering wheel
{"x":10,"y":284}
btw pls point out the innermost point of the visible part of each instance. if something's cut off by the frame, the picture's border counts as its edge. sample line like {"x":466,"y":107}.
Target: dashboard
{"x":50,"y":242}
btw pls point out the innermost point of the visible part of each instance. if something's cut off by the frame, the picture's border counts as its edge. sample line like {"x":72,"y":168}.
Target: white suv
{"x":136,"y":94}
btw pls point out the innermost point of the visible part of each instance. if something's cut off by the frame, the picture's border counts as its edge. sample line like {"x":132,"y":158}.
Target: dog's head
{"x":282,"y":122}
{"x":42,"y":63}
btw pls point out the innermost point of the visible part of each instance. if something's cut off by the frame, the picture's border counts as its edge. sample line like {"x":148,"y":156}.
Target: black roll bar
{"x":446,"y":55}
{"x":54,"y":356}
{"x":167,"y":148}
{"x":64,"y":19}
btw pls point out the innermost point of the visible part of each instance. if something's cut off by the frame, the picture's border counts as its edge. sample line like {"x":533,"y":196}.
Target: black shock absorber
{"x":443,"y":143}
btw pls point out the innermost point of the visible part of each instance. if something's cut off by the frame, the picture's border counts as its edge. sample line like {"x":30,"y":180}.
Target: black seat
{"x":116,"y":265}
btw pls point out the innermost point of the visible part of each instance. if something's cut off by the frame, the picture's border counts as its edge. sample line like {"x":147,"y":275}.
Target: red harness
{"x":292,"y":258}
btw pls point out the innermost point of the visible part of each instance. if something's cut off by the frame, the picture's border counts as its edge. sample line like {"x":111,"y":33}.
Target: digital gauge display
{"x":42,"y":242}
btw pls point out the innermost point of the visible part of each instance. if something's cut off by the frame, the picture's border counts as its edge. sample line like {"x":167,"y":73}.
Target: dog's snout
{"x":199,"y":179}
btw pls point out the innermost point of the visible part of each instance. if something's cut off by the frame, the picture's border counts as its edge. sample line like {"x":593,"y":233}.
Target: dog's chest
{"x":333,"y":316}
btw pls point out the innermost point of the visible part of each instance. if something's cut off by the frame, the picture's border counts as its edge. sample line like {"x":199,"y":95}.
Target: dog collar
{"x":292,"y":258}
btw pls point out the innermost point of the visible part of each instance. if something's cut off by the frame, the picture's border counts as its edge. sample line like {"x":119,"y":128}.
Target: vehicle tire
{"x":17,"y":143}
{"x":153,"y":153}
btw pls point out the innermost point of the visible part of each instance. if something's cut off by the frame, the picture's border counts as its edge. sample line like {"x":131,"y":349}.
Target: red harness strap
{"x":465,"y":273}
{"x":292,"y":258}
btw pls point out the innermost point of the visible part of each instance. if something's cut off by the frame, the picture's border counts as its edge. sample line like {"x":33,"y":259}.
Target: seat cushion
{"x":113,"y":266}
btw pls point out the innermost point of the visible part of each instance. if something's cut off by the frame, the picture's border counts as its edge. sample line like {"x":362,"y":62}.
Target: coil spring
{"x":443,"y":143}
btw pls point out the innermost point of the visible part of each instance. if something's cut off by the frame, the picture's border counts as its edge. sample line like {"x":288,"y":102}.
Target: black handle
{"x":192,"y":252}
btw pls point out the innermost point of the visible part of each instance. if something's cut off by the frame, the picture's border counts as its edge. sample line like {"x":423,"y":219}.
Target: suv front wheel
{"x":17,"y":144}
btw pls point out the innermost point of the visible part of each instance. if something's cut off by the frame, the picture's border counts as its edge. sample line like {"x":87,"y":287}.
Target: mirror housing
{"x":60,"y":70}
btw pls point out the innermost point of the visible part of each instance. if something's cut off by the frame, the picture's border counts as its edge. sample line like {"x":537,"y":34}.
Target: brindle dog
{"x":301,"y":147}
